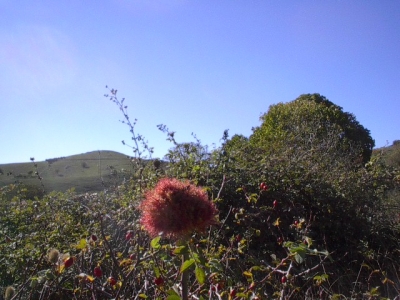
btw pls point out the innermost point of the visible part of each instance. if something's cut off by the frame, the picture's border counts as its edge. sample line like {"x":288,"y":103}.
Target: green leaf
{"x":299,"y":257}
{"x":242,"y":295}
{"x":81,"y":245}
{"x":319,"y":279}
{"x":253,"y":198}
{"x":200,"y":275}
{"x":171,"y":292}
{"x":180,"y":250}
{"x":300,"y":248}
{"x":156,"y":271}
{"x":308,"y":241}
{"x":29,"y":246}
{"x":187,"y":264}
{"x":288,"y":244}
{"x":155,"y":243}
{"x":173,"y":297}
{"x":34,"y":282}
{"x":256,"y":268}
{"x":374,"y":291}
{"x":248,"y":274}
{"x":142,"y":296}
{"x":215,"y":265}
{"x":196,"y":256}
{"x":325,"y":252}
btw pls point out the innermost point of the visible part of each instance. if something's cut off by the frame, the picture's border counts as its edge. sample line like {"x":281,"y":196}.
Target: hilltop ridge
{"x":86,"y":172}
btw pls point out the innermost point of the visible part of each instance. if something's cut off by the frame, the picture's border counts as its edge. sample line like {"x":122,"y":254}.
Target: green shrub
{"x":304,"y":213}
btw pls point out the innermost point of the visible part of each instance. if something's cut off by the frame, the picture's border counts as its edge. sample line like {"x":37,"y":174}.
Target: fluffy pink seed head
{"x":177,"y":209}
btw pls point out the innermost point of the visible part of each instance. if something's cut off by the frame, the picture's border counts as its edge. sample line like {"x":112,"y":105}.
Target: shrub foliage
{"x":304,"y":212}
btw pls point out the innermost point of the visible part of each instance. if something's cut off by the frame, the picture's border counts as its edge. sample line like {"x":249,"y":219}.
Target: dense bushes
{"x":312,"y":157}
{"x":303,"y":213}
{"x":311,"y":120}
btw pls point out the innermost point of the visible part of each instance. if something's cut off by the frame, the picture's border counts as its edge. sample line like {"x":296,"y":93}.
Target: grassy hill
{"x":85,"y":172}
{"x":391,"y":154}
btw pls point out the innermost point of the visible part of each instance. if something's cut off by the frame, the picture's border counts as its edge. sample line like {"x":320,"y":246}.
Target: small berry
{"x":263,"y":186}
{"x":97,"y":272}
{"x":220,"y":286}
{"x":283,"y":279}
{"x":232,"y":293}
{"x":68,"y":262}
{"x":275,"y":203}
{"x":238,"y":238}
{"x":93,"y":237}
{"x":112,"y":281}
{"x":132,"y":256}
{"x":128,"y":235}
{"x":158,"y":281}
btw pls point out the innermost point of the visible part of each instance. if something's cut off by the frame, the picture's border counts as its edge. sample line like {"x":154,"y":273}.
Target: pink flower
{"x":176,"y":209}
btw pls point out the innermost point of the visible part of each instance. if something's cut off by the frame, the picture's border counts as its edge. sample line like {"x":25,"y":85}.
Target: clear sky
{"x":196,"y":66}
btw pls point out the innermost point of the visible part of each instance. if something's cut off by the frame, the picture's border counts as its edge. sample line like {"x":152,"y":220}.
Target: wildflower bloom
{"x":176,"y":209}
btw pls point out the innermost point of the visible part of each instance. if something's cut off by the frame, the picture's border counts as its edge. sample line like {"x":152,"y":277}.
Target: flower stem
{"x":185,"y":279}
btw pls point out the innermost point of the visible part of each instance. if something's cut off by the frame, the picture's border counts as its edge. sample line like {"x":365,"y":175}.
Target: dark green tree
{"x":312,"y":156}
{"x":309,"y":120}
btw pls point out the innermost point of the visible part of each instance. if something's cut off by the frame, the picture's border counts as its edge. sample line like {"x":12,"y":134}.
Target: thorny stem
{"x":135,"y":137}
{"x":38,"y":175}
{"x":185,"y":279}
{"x":138,"y":139}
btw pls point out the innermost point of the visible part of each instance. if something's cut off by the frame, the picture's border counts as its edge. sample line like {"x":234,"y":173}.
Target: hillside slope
{"x":87,"y":172}
{"x":390,"y":154}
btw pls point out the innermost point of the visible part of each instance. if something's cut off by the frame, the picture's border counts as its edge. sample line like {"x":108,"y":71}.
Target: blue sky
{"x":196,"y":66}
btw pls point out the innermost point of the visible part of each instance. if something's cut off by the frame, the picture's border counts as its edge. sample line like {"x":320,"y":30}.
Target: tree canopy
{"x":313,"y":157}
{"x":306,"y":122}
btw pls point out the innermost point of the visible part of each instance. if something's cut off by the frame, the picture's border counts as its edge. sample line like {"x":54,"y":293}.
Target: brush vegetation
{"x":306,"y":210}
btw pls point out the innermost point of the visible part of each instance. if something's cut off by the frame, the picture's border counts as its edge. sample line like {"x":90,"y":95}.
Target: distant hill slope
{"x":391,"y":154}
{"x":84,"y":172}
